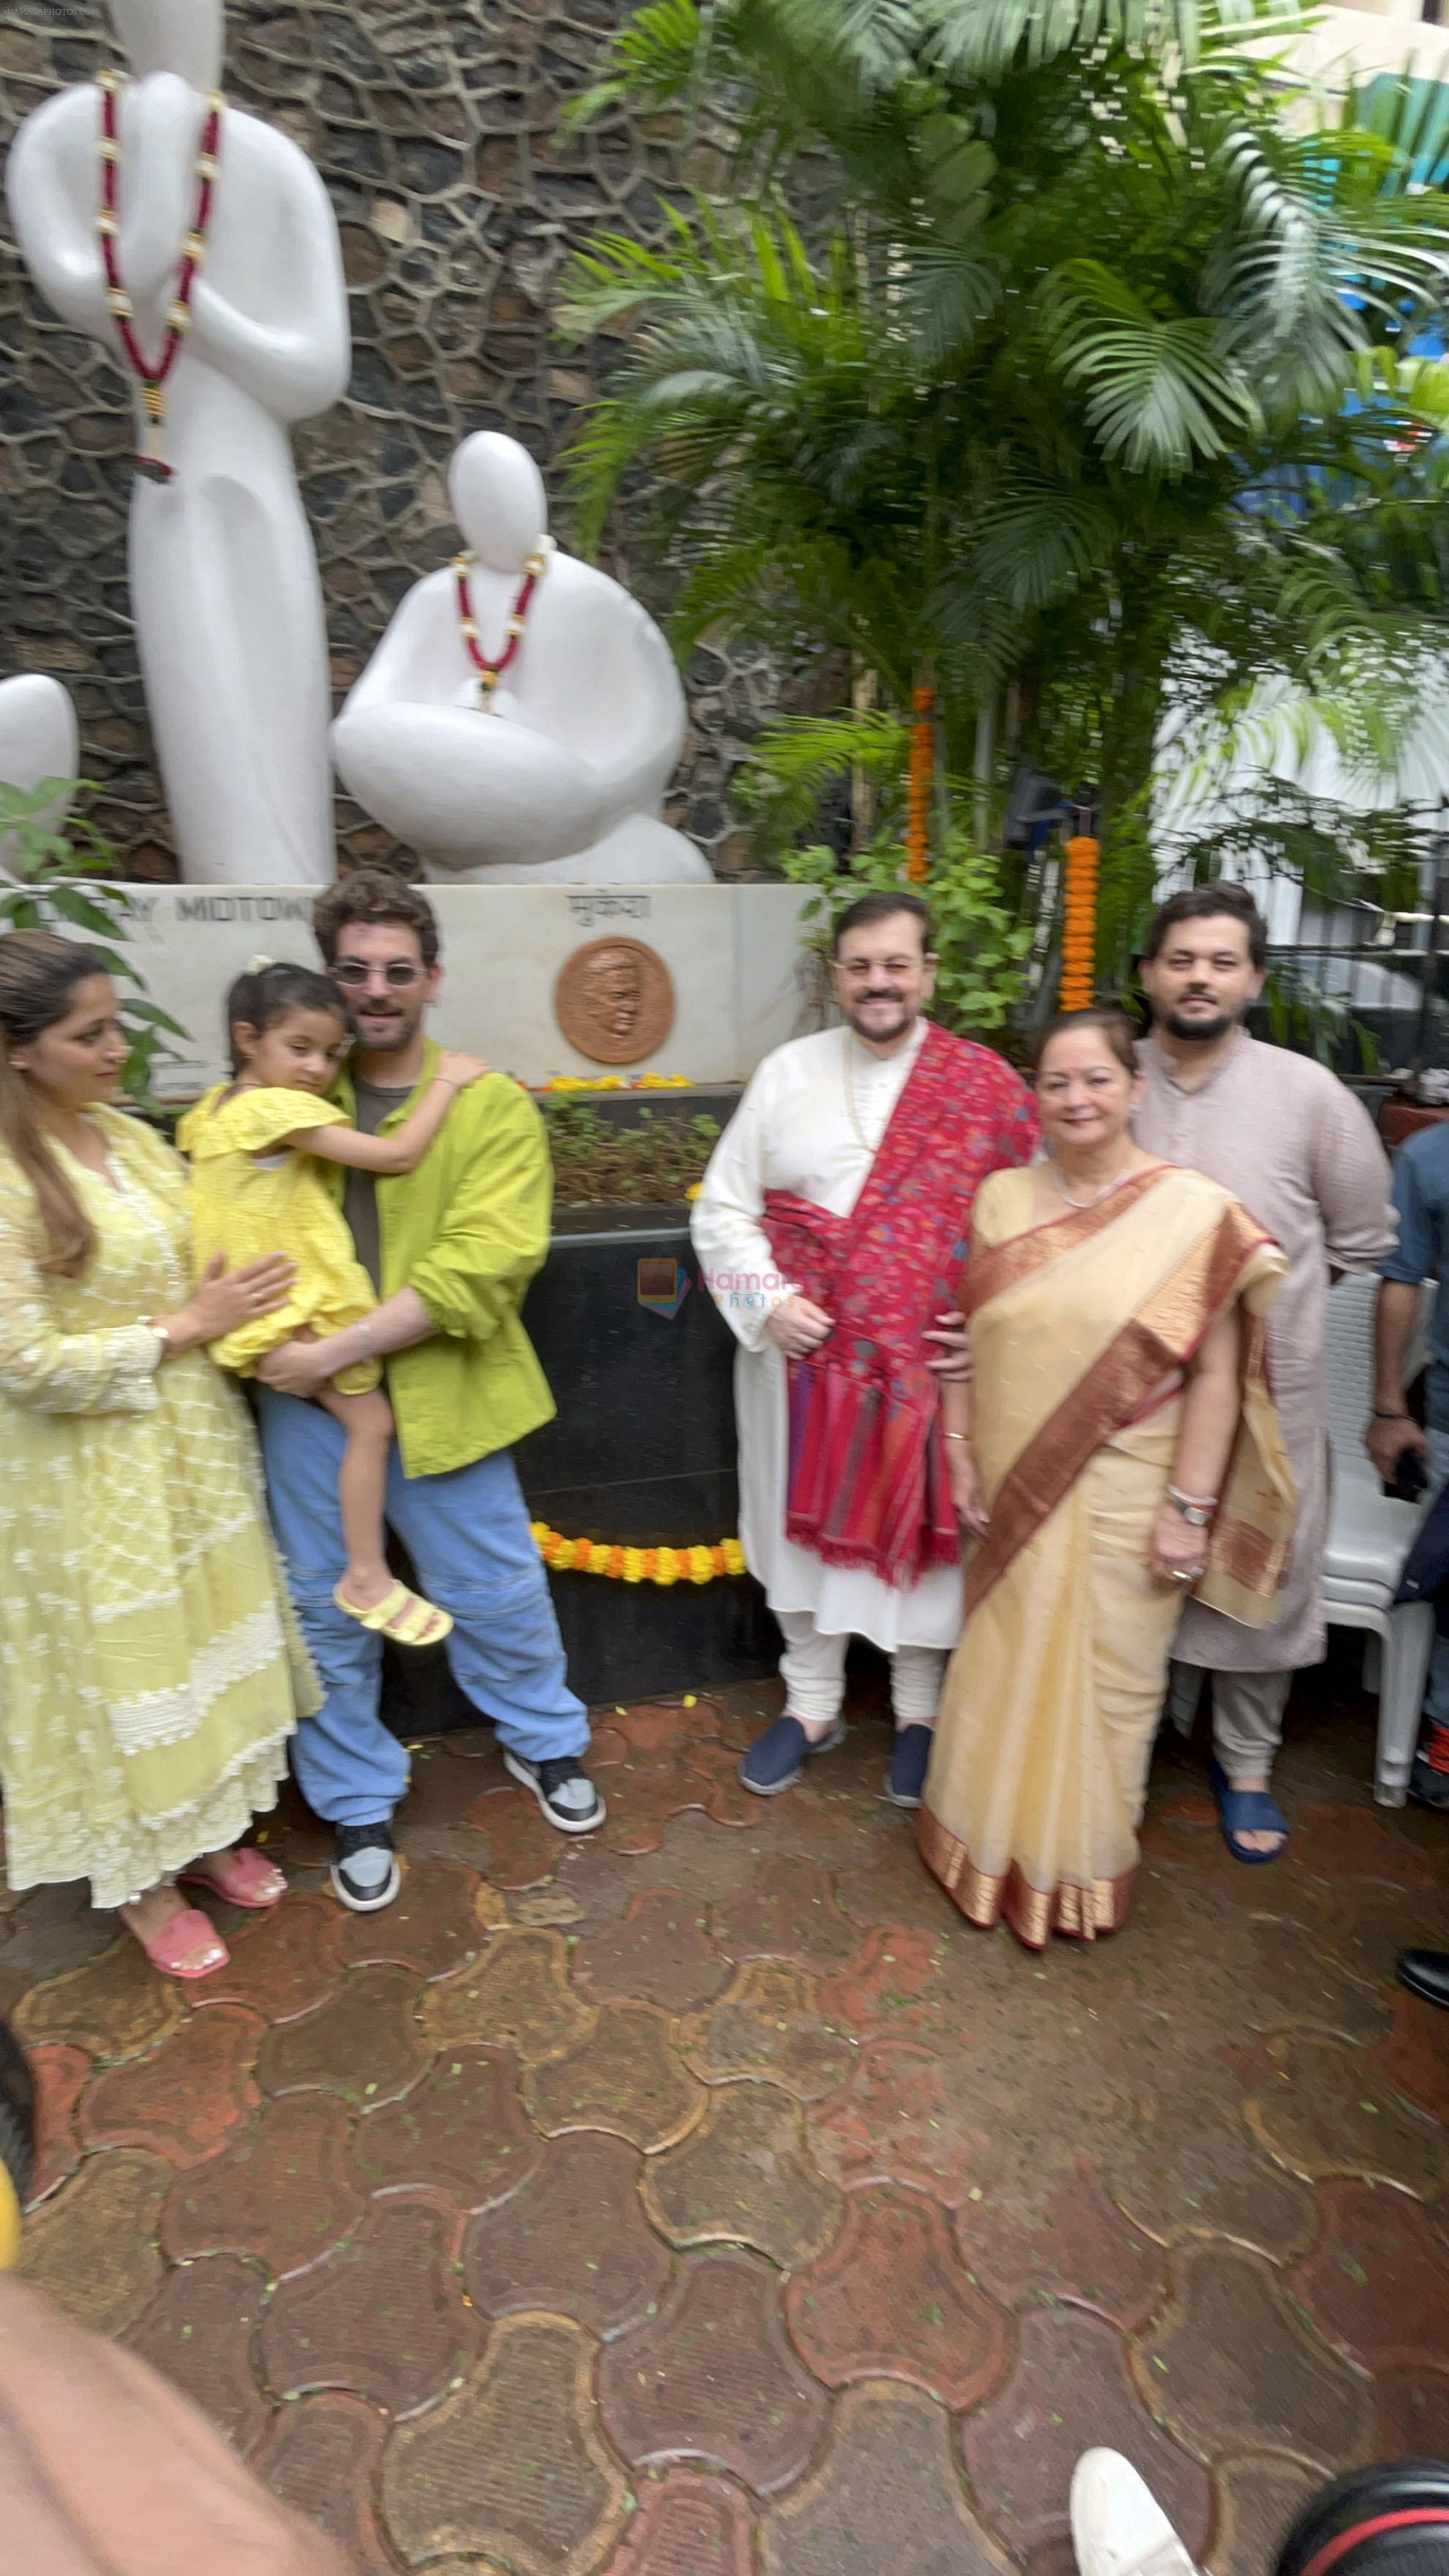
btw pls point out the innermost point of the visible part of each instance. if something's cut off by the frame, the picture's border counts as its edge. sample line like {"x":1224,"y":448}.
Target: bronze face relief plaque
{"x":614,"y":1001}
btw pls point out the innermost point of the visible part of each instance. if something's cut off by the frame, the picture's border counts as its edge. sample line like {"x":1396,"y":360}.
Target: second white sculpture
{"x":553,"y":769}
{"x":224,"y":584}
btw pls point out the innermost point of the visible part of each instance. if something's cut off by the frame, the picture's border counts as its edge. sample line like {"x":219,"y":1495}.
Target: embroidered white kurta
{"x":810,"y":1122}
{"x":1289,"y":1140}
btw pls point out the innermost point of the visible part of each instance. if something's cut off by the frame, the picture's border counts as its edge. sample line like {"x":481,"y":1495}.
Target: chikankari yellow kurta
{"x":150,"y":1668}
{"x":251,"y":1196}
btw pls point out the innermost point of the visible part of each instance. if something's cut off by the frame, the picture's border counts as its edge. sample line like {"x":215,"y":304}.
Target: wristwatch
{"x":1196,"y":1515}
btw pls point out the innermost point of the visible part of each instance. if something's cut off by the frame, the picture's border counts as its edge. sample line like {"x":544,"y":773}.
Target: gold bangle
{"x":963,"y":1436}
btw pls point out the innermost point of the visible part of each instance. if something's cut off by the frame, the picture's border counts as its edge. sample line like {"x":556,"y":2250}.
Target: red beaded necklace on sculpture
{"x":152,"y":458}
{"x":491,"y":672}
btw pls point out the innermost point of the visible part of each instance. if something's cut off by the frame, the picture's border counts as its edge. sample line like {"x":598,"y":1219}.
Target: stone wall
{"x":437,"y":125}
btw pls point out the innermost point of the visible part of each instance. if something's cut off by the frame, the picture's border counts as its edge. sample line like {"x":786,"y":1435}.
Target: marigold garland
{"x":1079,"y":930}
{"x":918,"y":785}
{"x":664,"y":1565}
{"x":616,"y":1082}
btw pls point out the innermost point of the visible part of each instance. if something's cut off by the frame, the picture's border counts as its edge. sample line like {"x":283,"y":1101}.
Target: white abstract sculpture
{"x":39,"y":738}
{"x":224,"y":583}
{"x":555,"y":772}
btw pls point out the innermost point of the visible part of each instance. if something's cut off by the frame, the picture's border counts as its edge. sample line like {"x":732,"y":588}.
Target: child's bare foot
{"x":403,"y":1616}
{"x":364,"y":1586}
{"x":192,"y":1949}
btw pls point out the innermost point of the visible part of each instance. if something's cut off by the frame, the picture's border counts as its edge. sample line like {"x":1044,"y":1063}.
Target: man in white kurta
{"x":810,"y":1124}
{"x":1292,"y":1143}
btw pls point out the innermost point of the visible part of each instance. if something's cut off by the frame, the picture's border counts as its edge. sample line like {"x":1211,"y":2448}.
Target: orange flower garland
{"x":664,"y":1565}
{"x":1079,"y":930}
{"x":918,"y":786}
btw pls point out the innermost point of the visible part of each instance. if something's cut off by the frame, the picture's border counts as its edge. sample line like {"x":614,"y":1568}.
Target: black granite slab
{"x":641,"y":1454}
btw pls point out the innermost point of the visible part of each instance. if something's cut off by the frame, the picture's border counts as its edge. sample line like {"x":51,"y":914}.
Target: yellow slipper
{"x":402,"y":1615}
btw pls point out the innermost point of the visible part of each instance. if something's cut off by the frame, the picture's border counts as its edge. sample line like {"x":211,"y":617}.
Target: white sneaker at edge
{"x":1118,"y":2526}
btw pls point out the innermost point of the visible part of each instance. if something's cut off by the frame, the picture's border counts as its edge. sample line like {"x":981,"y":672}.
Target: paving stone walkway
{"x":706,"y":2198}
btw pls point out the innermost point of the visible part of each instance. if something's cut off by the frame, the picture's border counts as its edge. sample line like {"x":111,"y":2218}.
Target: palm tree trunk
{"x":983,"y":767}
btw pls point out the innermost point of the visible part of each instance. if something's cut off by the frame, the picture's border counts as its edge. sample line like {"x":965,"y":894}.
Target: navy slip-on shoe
{"x":777,"y":1758}
{"x":910,"y":1761}
{"x":1247,"y":1811}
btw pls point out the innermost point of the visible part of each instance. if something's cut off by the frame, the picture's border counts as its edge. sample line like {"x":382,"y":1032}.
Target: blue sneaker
{"x":910,"y":1759}
{"x":776,"y":1760}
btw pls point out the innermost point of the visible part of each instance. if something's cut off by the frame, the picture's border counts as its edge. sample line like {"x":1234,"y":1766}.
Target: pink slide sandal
{"x":243,"y":1877}
{"x":189,"y":1946}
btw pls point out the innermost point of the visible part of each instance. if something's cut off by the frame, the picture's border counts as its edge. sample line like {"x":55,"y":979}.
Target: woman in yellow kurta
{"x":1116,"y":1450}
{"x":257,"y":1145}
{"x":150,"y":1671}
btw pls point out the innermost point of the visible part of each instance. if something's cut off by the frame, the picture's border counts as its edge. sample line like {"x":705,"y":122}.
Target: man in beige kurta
{"x":1289,"y":1140}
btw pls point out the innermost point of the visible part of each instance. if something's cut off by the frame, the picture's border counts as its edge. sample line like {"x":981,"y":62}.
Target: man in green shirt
{"x":451,"y":1248}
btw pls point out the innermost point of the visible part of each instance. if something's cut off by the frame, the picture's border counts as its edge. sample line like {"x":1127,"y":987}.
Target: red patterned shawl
{"x":867,"y":1474}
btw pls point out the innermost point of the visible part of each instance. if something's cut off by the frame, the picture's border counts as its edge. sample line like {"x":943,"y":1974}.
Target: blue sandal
{"x":1247,"y":1811}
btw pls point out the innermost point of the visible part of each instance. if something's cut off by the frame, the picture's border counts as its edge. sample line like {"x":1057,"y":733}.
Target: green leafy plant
{"x":598,"y":1162}
{"x":53,"y":877}
{"x":982,"y":974}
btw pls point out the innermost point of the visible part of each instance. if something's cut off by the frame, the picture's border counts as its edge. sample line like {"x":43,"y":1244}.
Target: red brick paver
{"x":707,"y":2199}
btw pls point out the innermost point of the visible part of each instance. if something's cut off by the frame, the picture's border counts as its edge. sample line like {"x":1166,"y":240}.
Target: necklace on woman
{"x":151,"y":460}
{"x":490,"y":672}
{"x":1107,"y":1187}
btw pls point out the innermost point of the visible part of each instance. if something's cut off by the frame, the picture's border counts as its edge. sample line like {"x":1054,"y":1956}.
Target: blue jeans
{"x":468,"y":1536}
{"x":1436,"y":1697}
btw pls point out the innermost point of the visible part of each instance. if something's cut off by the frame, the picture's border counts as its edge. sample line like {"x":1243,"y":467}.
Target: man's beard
{"x":905,"y":1020}
{"x":387,"y":1037}
{"x":1200,"y":1032}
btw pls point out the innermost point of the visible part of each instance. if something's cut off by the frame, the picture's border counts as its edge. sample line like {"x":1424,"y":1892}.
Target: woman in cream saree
{"x":1118,"y":1447}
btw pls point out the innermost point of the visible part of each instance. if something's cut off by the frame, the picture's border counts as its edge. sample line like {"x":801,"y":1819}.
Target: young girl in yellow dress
{"x":257,"y":1145}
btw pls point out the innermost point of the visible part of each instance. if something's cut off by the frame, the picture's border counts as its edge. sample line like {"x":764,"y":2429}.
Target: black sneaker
{"x":563,"y":1789}
{"x":365,"y":1872}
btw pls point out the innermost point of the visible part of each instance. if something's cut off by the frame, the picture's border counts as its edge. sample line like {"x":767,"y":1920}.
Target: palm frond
{"x":795,"y":762}
{"x":1409,"y":112}
{"x":1037,"y":543}
{"x":653,"y":62}
{"x":1159,"y":391}
{"x":942,"y":296}
{"x":879,"y":39}
{"x":982,"y":41}
{"x":1321,"y":254}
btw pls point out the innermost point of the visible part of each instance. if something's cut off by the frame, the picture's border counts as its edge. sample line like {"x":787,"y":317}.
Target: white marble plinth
{"x":734,"y":954}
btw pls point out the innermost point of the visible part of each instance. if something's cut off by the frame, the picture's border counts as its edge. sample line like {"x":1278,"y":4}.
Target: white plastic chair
{"x":1369,"y":1537}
